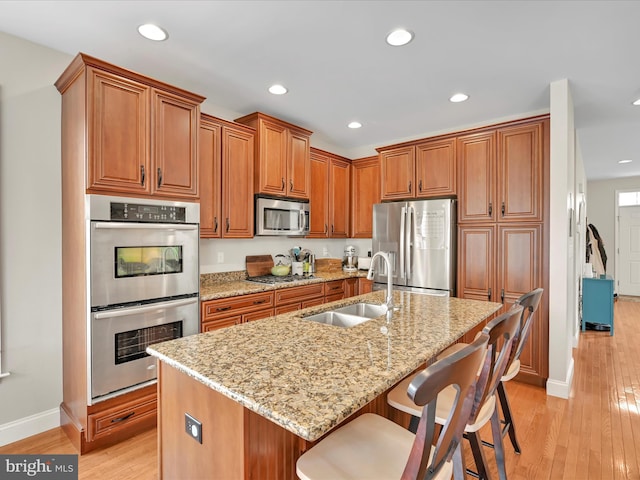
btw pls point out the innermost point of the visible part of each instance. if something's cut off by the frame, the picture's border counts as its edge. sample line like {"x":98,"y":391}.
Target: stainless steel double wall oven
{"x":143,"y":284}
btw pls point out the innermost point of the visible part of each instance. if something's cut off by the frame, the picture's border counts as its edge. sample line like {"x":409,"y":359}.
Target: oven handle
{"x":146,"y":226}
{"x":124,"y":312}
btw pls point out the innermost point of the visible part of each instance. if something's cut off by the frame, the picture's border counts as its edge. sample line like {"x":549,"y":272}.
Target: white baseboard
{"x":556,"y":388}
{"x":28,"y":426}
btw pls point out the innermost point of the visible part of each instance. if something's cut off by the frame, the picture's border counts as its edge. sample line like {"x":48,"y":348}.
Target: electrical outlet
{"x":193,"y":427}
{"x":220,"y":257}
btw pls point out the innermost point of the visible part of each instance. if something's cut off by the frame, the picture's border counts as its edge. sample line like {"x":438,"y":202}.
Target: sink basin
{"x":349,"y":315}
{"x":367,"y":310}
{"x":337,"y":319}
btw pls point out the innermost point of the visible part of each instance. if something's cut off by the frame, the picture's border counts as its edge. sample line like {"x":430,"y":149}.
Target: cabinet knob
{"x":159,"y":177}
{"x":489,"y":294}
{"x":291,"y":185}
{"x":502,"y":209}
{"x":409,"y":186}
{"x":142,"y":175}
{"x":227,"y":224}
{"x":490,"y":208}
{"x":215,"y":224}
{"x":502,"y":296}
{"x":326,"y":228}
{"x":420,"y":186}
{"x":282,"y":188}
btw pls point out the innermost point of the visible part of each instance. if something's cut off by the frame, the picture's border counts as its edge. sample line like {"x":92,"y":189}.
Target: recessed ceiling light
{"x":277,"y":89}
{"x":458,"y":97}
{"x":152,"y":32}
{"x":354,"y":125}
{"x":637,"y":102}
{"x":399,"y":37}
{"x":625,"y":161}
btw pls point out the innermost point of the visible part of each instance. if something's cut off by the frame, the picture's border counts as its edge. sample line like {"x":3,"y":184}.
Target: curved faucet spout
{"x":371,"y":273}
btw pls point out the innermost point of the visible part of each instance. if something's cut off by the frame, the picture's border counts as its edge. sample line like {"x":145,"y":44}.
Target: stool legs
{"x":508,"y":420}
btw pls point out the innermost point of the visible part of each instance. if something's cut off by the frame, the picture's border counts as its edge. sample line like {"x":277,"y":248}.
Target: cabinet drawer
{"x":313,"y":302}
{"x":250,"y":317}
{"x":221,"y":323}
{"x":120,"y":417}
{"x":286,"y":296}
{"x":334,"y":297}
{"x":224,"y":307}
{"x":333,"y":287}
{"x":292,"y":307}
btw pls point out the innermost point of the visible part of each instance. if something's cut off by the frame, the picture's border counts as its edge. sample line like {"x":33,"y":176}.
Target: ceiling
{"x":333,"y":58}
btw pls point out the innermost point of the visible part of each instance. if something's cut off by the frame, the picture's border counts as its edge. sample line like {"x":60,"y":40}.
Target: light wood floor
{"x":593,"y":435}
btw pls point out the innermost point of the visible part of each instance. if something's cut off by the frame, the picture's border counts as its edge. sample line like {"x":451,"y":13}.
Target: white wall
{"x":562,"y":280}
{"x":30,"y":237}
{"x":601,"y":210}
{"x":580,"y":238}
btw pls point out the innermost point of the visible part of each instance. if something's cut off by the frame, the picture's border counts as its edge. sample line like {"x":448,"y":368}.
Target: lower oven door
{"x":120,"y":337}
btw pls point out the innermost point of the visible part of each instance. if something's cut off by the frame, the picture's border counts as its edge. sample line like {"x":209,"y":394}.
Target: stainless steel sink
{"x":350,"y":315}
{"x":337,"y":319}
{"x":368,"y":310}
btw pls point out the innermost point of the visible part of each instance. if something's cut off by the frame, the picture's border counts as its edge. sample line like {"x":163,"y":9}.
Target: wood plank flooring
{"x":595,"y":434}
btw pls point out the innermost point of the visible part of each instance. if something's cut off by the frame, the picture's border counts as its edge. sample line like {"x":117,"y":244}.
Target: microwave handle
{"x":125,"y":312}
{"x":145,"y":226}
{"x":302,"y":220}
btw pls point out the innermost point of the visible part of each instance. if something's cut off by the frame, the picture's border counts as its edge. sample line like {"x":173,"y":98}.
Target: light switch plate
{"x":193,"y":427}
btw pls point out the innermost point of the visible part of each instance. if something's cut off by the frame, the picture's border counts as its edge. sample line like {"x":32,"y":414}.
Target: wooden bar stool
{"x":529,"y":302}
{"x":502,"y":328}
{"x":372,"y":447}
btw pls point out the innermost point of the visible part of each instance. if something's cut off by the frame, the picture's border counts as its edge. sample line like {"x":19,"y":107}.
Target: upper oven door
{"x":132,"y":262}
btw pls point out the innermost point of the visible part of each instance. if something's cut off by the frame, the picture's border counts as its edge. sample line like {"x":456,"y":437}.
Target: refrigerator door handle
{"x":408,"y":237}
{"x":403,"y":218}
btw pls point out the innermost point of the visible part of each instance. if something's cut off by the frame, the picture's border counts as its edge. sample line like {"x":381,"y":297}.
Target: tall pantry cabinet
{"x":503,"y":177}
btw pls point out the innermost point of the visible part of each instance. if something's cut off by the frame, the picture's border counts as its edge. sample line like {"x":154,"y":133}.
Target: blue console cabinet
{"x":597,"y":301}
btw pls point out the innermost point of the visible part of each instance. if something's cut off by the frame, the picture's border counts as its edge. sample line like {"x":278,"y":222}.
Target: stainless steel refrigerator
{"x":420,"y":237}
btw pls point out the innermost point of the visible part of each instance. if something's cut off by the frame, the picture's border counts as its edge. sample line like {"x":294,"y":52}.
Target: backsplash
{"x":228,"y":255}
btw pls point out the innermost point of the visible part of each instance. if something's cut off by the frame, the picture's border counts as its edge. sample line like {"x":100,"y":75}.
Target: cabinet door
{"x":365,"y":192}
{"x":210,"y":179}
{"x":520,"y":173}
{"x":350,"y":287}
{"x":237,"y":183}
{"x":519,"y":263}
{"x":319,"y":197}
{"x":476,"y":262}
{"x":364,"y":286}
{"x":339,"y":198}
{"x":175,"y":146}
{"x":476,"y":181}
{"x":298,"y":167}
{"x":118,"y":134}
{"x":436,"y":168}
{"x":397,"y":171}
{"x":272,"y":159}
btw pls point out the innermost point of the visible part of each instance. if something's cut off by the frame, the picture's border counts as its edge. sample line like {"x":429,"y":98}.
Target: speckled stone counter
{"x":307,"y":377}
{"x":213,"y":286}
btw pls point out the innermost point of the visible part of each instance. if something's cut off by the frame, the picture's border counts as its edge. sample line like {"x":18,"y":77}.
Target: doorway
{"x":628,"y":243}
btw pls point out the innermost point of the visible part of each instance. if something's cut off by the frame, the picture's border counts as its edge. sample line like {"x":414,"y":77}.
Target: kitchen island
{"x":264,"y":391}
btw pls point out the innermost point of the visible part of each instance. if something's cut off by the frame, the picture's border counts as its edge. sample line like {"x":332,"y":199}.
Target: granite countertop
{"x":231,"y":284}
{"x":307,"y":377}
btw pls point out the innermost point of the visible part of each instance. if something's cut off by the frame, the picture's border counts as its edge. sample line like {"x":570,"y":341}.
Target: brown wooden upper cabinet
{"x":281,"y":158}
{"x":141,"y":134}
{"x":365,"y":192}
{"x":329,"y":199}
{"x":423,"y":170}
{"x":226,"y":179}
{"x":500,"y":174}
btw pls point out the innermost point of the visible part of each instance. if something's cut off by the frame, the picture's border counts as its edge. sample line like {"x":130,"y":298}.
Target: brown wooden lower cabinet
{"x":225,"y":312}
{"x":236,"y":442}
{"x":364,"y":286}
{"x":334,"y":290}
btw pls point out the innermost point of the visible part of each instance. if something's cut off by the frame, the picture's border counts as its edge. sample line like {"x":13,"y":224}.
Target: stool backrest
{"x":529,"y":302}
{"x":460,"y":370}
{"x":501,"y":330}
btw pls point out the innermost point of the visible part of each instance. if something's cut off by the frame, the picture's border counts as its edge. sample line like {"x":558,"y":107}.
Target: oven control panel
{"x":136,"y":212}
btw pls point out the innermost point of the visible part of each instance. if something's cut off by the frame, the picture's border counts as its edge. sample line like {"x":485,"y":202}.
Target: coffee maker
{"x":350,"y":259}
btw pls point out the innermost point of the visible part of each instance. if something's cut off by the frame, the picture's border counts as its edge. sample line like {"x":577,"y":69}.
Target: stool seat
{"x":369,"y":447}
{"x":513,"y":370}
{"x":398,"y":398}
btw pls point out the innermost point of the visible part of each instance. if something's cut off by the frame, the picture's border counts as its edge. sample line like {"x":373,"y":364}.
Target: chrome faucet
{"x":371,"y":273}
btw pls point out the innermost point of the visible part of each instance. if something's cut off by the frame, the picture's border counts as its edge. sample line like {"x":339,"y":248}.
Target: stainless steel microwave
{"x":277,"y":216}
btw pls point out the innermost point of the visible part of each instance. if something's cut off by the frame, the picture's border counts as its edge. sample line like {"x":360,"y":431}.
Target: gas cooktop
{"x":273,"y":279}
